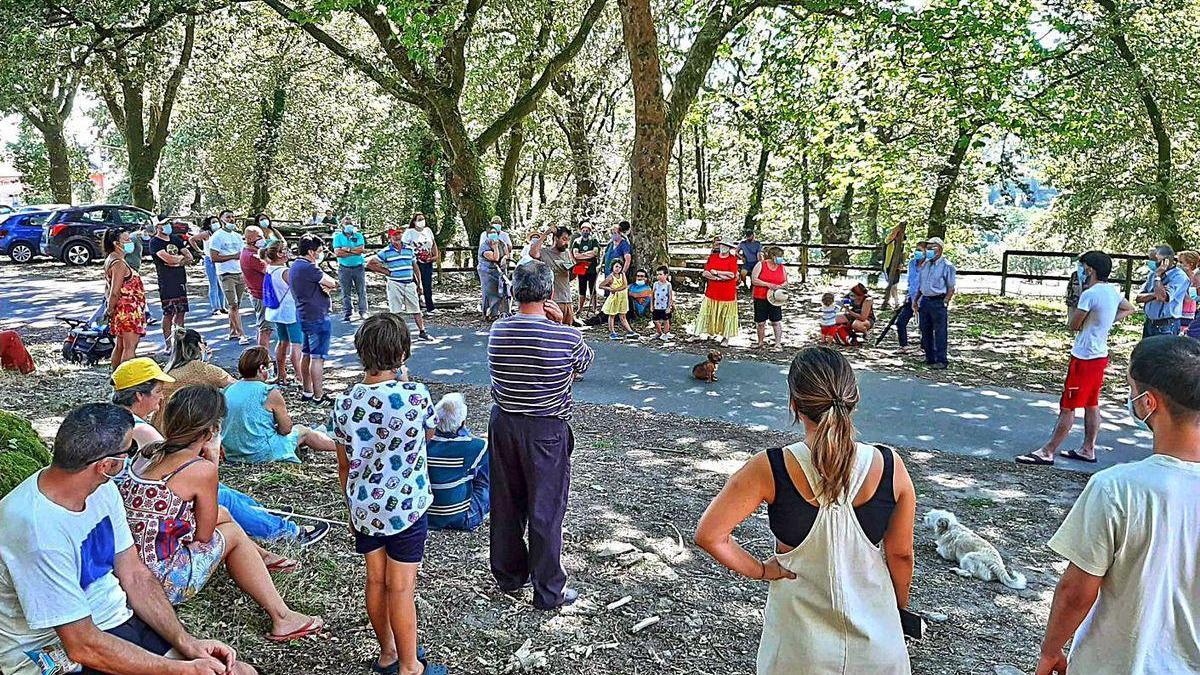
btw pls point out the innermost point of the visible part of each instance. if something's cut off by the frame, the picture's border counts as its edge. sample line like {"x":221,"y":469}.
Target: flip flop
{"x":431,"y":669}
{"x":314,"y":626}
{"x":284,"y":566}
{"x":1032,"y":459}
{"x":1071,"y":454}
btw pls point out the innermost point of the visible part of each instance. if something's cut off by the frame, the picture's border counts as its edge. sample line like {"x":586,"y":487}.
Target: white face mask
{"x":120,"y":474}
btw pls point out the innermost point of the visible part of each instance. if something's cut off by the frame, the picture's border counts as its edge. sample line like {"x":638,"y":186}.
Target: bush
{"x":22,"y":451}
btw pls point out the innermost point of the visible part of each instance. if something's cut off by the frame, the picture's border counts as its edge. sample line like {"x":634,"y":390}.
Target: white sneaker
{"x":667,"y":337}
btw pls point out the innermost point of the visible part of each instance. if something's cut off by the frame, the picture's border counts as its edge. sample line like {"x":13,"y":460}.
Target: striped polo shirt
{"x":400,"y":263}
{"x":533,"y":362}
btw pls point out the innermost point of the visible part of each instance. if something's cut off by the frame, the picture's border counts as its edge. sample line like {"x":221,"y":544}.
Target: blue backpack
{"x":271,"y":300}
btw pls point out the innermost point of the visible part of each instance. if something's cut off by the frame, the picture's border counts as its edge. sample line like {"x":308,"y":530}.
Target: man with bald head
{"x":254,"y":270}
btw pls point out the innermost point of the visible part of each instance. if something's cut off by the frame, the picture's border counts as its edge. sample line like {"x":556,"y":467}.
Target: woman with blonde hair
{"x":842,"y":514}
{"x":179,"y":530}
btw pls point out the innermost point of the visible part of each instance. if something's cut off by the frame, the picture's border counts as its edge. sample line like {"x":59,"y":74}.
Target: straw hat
{"x":777,"y":297}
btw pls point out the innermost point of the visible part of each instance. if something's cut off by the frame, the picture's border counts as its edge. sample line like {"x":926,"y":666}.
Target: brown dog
{"x":707,"y":371}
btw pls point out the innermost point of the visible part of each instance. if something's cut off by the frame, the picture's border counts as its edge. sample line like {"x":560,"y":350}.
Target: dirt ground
{"x":640,"y":483}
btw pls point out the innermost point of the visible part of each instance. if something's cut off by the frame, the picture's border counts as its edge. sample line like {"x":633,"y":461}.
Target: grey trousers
{"x":353,"y":279}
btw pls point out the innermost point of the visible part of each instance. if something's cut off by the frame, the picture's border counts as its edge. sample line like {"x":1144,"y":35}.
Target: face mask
{"x":348,"y":229}
{"x":492,"y":236}
{"x":168,"y":230}
{"x":261,"y":243}
{"x":779,"y":261}
{"x":930,"y":254}
{"x":1192,"y":292}
{"x":127,"y":247}
{"x":229,"y":227}
{"x":421,"y":224}
{"x":1141,"y":421}
{"x":205,"y":354}
{"x":1152,"y":265}
{"x":264,"y":223}
{"x":1082,"y":272}
{"x":723,"y":250}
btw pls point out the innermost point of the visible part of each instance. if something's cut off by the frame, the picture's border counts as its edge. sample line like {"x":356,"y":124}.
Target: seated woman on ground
{"x":842,"y":515}
{"x":189,"y":364}
{"x":861,"y":312}
{"x":180,"y":531}
{"x":258,"y":428}
{"x":139,"y":386}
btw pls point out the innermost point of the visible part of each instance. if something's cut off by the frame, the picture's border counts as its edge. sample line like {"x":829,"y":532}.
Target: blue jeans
{"x":216,"y":296}
{"x":252,"y":517}
{"x":935,"y":329}
{"x":906,"y":315}
{"x":1163,"y":327}
{"x":353,"y":281}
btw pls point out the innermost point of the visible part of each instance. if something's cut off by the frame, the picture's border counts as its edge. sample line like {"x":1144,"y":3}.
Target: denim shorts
{"x":316,"y":337}
{"x":403,"y":547}
{"x":290,"y":332}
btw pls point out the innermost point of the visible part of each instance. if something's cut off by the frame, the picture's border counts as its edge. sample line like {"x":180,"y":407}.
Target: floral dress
{"x":164,"y":529}
{"x":129,"y":316}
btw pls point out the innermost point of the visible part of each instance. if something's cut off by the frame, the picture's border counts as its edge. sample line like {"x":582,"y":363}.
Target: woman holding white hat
{"x":768,"y":278}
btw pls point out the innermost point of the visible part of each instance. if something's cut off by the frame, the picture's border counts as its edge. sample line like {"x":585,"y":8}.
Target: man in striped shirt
{"x":398,"y":264}
{"x":533,"y":360}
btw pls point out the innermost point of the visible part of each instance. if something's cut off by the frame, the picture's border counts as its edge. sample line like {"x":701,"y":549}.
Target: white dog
{"x":974,"y":555}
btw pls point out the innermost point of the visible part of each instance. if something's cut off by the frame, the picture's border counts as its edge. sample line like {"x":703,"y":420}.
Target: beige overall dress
{"x":839,"y":614}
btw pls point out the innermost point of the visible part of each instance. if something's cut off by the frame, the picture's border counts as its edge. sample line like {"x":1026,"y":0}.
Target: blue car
{"x":21,"y":234}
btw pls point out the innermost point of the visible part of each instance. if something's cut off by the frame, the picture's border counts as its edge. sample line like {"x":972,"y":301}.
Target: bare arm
{"x":278,"y":408}
{"x":741,"y":497}
{"x":898,"y":540}
{"x":89,"y":646}
{"x":116,"y":279}
{"x":754,"y":280}
{"x":200,"y":482}
{"x":606,"y":285}
{"x":1073,"y":599}
{"x":374,"y":265}
{"x":1079,"y":317}
{"x":949,"y":294}
{"x":169,"y":259}
{"x":1124,"y":310}
{"x":328,"y":282}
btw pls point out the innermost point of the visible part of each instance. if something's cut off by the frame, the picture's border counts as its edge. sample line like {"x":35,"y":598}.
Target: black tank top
{"x":791,"y":517}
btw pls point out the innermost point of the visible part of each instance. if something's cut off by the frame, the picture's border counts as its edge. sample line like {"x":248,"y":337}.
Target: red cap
{"x":393,"y":232}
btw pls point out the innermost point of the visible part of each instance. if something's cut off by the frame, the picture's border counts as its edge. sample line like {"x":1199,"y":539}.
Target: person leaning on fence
{"x":1163,"y":293}
{"x":933,"y":300}
{"x":908,"y":309}
{"x":458,"y":469}
{"x":1131,"y":592}
{"x":533,"y":361}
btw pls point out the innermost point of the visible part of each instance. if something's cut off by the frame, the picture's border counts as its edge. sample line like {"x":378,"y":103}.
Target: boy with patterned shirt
{"x":381,"y":427}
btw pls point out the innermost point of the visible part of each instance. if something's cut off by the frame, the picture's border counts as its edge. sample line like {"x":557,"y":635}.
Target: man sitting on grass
{"x":458,"y":469}
{"x":73,"y":590}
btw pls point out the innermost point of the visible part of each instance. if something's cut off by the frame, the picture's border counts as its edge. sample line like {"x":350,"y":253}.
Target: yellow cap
{"x":137,"y":371}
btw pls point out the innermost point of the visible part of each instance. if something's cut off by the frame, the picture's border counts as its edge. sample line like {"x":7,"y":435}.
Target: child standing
{"x":664,"y":303}
{"x":617,"y":303}
{"x":381,"y":426}
{"x":832,"y":328}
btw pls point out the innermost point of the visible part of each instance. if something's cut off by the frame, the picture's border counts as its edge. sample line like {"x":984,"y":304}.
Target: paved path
{"x":907,"y":411}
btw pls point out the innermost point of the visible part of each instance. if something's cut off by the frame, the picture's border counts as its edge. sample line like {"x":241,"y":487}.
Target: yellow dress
{"x":618,"y":298}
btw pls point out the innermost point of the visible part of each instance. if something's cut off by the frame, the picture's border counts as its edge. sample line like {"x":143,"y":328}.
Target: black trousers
{"x":426,"y":270}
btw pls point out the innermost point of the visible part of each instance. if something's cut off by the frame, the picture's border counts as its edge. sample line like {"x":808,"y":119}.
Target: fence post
{"x":1003,"y":273}
{"x":1128,"y":276}
{"x":803,"y":263}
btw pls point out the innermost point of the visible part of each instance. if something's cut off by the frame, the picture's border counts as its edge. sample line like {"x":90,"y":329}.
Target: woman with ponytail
{"x":842,"y":514}
{"x":180,"y":531}
{"x":189,"y":364}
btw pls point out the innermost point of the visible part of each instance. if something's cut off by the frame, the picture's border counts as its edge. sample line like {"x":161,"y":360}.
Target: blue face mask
{"x":1141,"y":421}
{"x":930,"y":254}
{"x":1152,"y":265}
{"x":127,"y":247}
{"x":492,"y":236}
{"x":1192,"y":292}
{"x":779,"y":261}
{"x":167,"y":230}
{"x":1081,"y":271}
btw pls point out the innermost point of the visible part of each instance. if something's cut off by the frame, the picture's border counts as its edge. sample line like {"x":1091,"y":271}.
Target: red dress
{"x":722,"y":291}
{"x":129,"y":316}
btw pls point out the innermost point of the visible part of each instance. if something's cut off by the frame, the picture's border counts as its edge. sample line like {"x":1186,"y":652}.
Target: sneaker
{"x":425,"y":336}
{"x":346,"y":317}
{"x":614,"y":336}
{"x":570,"y":595}
{"x":667,"y":337}
{"x":311,"y":534}
{"x":244,"y":340}
{"x":430,"y":312}
{"x":362,"y":316}
{"x":632,"y":335}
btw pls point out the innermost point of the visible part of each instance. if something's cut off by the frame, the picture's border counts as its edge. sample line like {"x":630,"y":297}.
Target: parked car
{"x":21,"y":234}
{"x":72,"y":235}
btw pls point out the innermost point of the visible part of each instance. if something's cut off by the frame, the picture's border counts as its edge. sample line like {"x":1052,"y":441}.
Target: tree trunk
{"x":574,"y":125}
{"x":266,"y":147}
{"x":683,"y":209}
{"x":508,"y":173}
{"x":428,"y":187}
{"x":837,"y":231}
{"x":756,"y":194}
{"x":701,"y":184}
{"x":946,"y":181}
{"x":59,"y":157}
{"x":652,"y":139}
{"x":873,"y":236}
{"x":1168,"y":223}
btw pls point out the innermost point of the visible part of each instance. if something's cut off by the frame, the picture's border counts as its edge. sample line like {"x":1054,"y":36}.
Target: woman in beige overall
{"x":842,"y":514}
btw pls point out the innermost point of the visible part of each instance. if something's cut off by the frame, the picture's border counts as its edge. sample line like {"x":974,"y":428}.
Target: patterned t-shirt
{"x":662,"y":295}
{"x":383,"y":428}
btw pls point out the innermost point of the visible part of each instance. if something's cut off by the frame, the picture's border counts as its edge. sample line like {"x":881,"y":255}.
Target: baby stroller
{"x":88,"y":341}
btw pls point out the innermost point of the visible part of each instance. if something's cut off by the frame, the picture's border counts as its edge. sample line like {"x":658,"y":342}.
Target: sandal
{"x":1034,"y":460}
{"x":283,"y":566}
{"x":431,"y":669}
{"x":314,"y":626}
{"x":1071,"y":454}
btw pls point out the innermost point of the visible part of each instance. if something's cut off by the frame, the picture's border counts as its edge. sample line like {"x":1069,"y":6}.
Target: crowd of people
{"x":131,"y":518}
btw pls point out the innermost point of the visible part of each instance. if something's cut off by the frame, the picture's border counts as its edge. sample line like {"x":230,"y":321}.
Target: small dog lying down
{"x":974,"y":555}
{"x":707,"y":370}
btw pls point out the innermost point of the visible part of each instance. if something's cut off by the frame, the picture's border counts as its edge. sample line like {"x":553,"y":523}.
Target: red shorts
{"x":839,"y":332}
{"x":1084,"y":379}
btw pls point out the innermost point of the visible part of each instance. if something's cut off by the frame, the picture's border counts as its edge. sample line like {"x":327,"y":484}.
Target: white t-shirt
{"x":421,"y":242}
{"x":286,"y":312}
{"x":56,"y":567}
{"x":383,"y":428}
{"x":1101,"y":302}
{"x":1138,"y":526}
{"x":227,"y":243}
